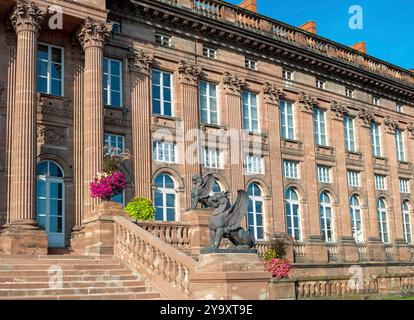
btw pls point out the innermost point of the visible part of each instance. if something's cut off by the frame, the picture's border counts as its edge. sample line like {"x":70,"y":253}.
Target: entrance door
{"x":50,"y":206}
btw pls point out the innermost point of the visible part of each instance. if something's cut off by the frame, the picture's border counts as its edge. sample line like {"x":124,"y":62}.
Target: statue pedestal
{"x":199,"y":220}
{"x":230,"y":276}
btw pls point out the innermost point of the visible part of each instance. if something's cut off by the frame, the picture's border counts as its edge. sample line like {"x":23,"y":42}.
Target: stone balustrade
{"x":262,"y":247}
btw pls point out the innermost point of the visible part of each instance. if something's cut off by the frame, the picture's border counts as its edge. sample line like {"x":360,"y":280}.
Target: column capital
{"x":410,"y":129}
{"x":307,"y":102}
{"x":94,"y":33}
{"x":272,"y":93}
{"x":366,"y":116}
{"x":139,"y":61}
{"x":188,"y":73}
{"x":338,"y":110}
{"x":233,"y":84}
{"x":391,"y":125}
{"x":27,"y":17}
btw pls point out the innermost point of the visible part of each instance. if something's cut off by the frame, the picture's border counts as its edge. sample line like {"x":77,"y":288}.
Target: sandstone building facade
{"x":321,"y":135}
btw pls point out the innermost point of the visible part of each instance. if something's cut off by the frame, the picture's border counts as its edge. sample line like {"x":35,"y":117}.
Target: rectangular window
{"x":399,"y":108}
{"x":375,"y":140}
{"x":380,"y":183}
{"x":287,"y":75}
{"x":251,"y":64}
{"x":320,"y":84}
{"x":353,"y":179}
{"x":208,"y":102}
{"x":253,"y":164}
{"x":116,"y":26}
{"x":404,"y":186}
{"x":349,"y":93}
{"x":375,"y":101}
{"x":162,"y":93}
{"x":319,"y":124}
{"x":163,"y":40}
{"x":114,"y":144}
{"x":286,"y":120}
{"x":50,"y":70}
{"x":349,"y":134}
{"x":209,"y":53}
{"x":112,"y":82}
{"x":291,"y":169}
{"x":324,"y":174}
{"x":399,"y":141}
{"x":250,"y":112}
{"x":212,"y":158}
{"x":164,"y":152}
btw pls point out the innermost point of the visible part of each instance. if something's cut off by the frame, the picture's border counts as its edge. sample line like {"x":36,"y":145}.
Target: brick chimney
{"x":309,"y":26}
{"x":249,"y":5}
{"x":360,"y":46}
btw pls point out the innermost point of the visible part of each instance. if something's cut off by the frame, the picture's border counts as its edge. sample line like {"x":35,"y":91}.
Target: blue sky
{"x":387,"y":30}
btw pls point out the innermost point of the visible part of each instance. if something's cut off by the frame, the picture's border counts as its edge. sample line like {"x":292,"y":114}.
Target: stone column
{"x":343,"y":228}
{"x":93,"y":36}
{"x":233,"y":85}
{"x":187,"y":75}
{"x":271,"y":96}
{"x":78,"y":111}
{"x":140,"y":68}
{"x":316,"y":246}
{"x":11,"y":89}
{"x":22,"y":235}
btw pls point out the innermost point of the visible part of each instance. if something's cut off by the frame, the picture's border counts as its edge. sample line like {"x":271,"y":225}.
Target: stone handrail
{"x":165,"y":266}
{"x":246,"y":19}
{"x":174,"y":233}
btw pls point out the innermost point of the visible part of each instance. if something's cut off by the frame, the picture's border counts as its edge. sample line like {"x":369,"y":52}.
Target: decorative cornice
{"x":53,"y":136}
{"x":410,"y":129}
{"x":307,"y":102}
{"x":366,"y":116}
{"x":27,"y":17}
{"x":188,"y":73}
{"x":139,"y":61}
{"x":233,"y":84}
{"x":338,"y":110}
{"x":390,"y":124}
{"x":94,"y":33}
{"x":272,"y":93}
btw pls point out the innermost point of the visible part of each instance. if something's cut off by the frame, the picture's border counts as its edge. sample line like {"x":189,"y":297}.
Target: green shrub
{"x":141,"y":209}
{"x":270,"y":254}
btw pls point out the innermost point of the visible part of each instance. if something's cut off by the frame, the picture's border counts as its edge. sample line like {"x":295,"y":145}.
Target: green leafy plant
{"x":141,"y":209}
{"x":278,"y":249}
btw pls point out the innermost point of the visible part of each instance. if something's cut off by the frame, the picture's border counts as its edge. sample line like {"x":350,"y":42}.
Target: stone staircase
{"x":63,"y":276}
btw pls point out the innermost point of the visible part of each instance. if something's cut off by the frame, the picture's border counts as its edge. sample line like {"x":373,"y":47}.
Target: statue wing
{"x":238,"y":210}
{"x":207,"y":187}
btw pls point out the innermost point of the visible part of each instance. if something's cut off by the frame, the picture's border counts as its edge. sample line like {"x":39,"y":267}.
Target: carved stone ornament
{"x":390,"y":124}
{"x":139,"y":61}
{"x":188,"y":73}
{"x":94,"y":33}
{"x":233,"y":83}
{"x":410,"y":129}
{"x":53,"y":136}
{"x":366,"y":116}
{"x":307,"y":102}
{"x":27,"y":17}
{"x":338,"y":110}
{"x":272,"y":93}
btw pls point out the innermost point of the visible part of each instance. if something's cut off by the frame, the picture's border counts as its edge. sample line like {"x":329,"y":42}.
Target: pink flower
{"x":105,"y":186}
{"x":280,"y":268}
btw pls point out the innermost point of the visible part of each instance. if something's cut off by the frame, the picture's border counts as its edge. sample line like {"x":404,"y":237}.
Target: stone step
{"x":44,"y":273}
{"x":65,"y":267}
{"x":57,"y":261}
{"x":68,"y":291}
{"x":112,"y":296}
{"x":57,"y":256}
{"x":75,"y":278}
{"x":74,"y":284}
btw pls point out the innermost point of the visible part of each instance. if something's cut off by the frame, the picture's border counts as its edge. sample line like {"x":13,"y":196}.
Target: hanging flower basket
{"x":105,"y":186}
{"x":280,"y":268}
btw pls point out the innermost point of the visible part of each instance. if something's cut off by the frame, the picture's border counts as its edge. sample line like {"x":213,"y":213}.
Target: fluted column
{"x":27,"y":21}
{"x":187,"y":75}
{"x":11,"y":89}
{"x":78,"y":133}
{"x":140,"y":68}
{"x":93,"y":37}
{"x":233,"y":85}
{"x":271,"y":96}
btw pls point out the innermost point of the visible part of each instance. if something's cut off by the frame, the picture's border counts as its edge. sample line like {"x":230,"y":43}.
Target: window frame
{"x":258,"y":162}
{"x":161,"y":36}
{"x":214,"y":157}
{"x":376,"y":140}
{"x":353,"y":176}
{"x":404,"y":185}
{"x":250,"y":108}
{"x":109,"y":135}
{"x":356,"y":216}
{"x":320,"y":84}
{"x":382,"y":217}
{"x":407,"y":227}
{"x":319,"y":169}
{"x":208,"y":98}
{"x":251,"y":64}
{"x":161,"y":88}
{"x":380,"y":185}
{"x":285,"y":126}
{"x":49,"y":72}
{"x":108,"y":88}
{"x":319,"y":127}
{"x":172,"y":154}
{"x":400,"y":145}
{"x":324,"y":208}
{"x":208,"y":50}
{"x":164,"y":192}
{"x":350,"y":142}
{"x":255,"y":225}
{"x":291,"y":203}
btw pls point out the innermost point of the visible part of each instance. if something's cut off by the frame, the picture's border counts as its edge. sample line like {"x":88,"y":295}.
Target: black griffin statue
{"x":227,"y":219}
{"x":201,"y":191}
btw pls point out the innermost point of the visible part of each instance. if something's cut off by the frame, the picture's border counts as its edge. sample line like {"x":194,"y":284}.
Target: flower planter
{"x":283,"y":289}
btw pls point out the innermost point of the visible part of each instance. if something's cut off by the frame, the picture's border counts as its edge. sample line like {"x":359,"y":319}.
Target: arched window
{"x":325,"y":209}
{"x":255,"y":211}
{"x":165,"y":198}
{"x":292,"y":207}
{"x":356,"y":222}
{"x":406,"y":222}
{"x":382,"y":220}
